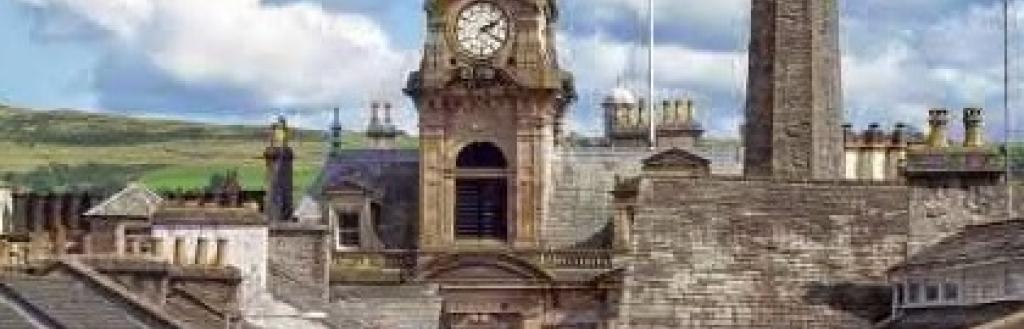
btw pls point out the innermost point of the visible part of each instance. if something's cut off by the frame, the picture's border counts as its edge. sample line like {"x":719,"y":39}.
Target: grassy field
{"x":66,"y":150}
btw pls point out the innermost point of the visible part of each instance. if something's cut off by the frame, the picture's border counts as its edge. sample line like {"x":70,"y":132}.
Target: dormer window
{"x":354,"y":212}
{"x":1010,"y":286}
{"x":913,"y":293}
{"x":899,"y":294}
{"x":348,"y":230}
{"x":931,"y":292}
{"x":950,"y":292}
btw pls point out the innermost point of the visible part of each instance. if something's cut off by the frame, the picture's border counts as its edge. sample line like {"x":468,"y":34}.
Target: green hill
{"x":71,"y":150}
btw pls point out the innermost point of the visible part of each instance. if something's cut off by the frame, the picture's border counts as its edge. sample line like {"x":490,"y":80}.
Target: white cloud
{"x":953,"y":60}
{"x":290,"y":55}
{"x":714,"y":79}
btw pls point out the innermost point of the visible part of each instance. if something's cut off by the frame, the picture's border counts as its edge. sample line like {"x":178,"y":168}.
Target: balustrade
{"x":404,"y":259}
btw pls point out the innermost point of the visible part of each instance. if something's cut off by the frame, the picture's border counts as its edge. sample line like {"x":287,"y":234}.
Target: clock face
{"x":481,"y":30}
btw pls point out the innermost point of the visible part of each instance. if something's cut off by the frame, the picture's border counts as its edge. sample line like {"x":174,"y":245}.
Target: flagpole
{"x":650,"y":74}
{"x":1006,"y":109}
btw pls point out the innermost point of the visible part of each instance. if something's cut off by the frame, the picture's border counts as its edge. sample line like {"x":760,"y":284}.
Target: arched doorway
{"x":481,"y":193}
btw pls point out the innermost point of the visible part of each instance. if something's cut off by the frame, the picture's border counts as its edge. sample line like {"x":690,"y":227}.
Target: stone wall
{"x":297,"y":264}
{"x":580,"y":205}
{"x":937,"y":213}
{"x":794,"y":103}
{"x":719,"y":253}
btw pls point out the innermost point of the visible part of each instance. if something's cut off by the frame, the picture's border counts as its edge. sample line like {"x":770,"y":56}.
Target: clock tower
{"x":491,"y":100}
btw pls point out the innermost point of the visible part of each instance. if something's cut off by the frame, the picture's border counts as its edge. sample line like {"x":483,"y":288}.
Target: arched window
{"x":481,"y":193}
{"x":480,"y":155}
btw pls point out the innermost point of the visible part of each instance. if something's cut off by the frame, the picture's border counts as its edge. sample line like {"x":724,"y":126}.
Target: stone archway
{"x":481,"y":193}
{"x":488,"y":291}
{"x":483,"y":321}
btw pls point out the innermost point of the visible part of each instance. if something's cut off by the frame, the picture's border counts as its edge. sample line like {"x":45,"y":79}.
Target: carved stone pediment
{"x":678,"y":161}
{"x":355,"y":186}
{"x":481,"y":268}
{"x":481,"y":272}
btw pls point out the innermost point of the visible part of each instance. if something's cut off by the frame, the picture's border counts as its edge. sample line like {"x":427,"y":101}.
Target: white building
{"x":6,"y":208}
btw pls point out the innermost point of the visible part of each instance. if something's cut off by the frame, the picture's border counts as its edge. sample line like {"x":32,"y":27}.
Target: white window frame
{"x":339,"y":231}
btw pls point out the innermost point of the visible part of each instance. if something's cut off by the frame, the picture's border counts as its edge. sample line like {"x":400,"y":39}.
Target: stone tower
{"x":335,"y":147}
{"x":794,"y":96}
{"x":491,"y":97}
{"x":381,"y":134}
{"x":278,"y":155}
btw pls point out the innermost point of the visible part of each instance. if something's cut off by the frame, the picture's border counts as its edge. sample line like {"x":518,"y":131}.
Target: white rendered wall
{"x":6,"y":208}
{"x":878,"y":164}
{"x":247,"y":249}
{"x":851,"y":164}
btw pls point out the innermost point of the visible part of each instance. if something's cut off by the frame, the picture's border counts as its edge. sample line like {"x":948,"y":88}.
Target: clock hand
{"x":489,"y":26}
{"x":491,"y":36}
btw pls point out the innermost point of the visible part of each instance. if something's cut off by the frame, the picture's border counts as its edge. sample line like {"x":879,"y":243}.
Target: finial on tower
{"x":387,"y":113}
{"x":336,"y":131}
{"x":280,"y":132}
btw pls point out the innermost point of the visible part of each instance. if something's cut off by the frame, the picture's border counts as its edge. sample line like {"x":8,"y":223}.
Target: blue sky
{"x":242,"y":61}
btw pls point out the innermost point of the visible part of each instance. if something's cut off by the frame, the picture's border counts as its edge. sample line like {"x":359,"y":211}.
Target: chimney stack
{"x":668,"y":112}
{"x":938,"y":120}
{"x":640,"y":109}
{"x":336,"y":131}
{"x":899,"y":135}
{"x":874,"y":134}
{"x":690,"y":110}
{"x":279,"y":158}
{"x":974,"y":123}
{"x":387,"y":113}
{"x":374,"y":115}
{"x":679,"y":112}
{"x":848,"y":135}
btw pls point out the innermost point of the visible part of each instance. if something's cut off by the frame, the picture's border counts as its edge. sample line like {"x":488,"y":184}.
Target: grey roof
{"x":394,"y":173}
{"x":398,"y":307}
{"x":135,"y":200}
{"x":70,"y":303}
{"x":208,"y":216}
{"x":11,"y":317}
{"x":580,"y":209}
{"x":974,"y":244}
{"x":309,"y":210}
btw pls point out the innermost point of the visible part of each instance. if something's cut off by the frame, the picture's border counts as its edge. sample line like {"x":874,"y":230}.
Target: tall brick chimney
{"x":278,"y":155}
{"x":974,"y":127}
{"x":938,"y":122}
{"x":794,"y":102}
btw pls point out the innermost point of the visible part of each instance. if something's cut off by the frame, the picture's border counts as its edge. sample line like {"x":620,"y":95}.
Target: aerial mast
{"x":1007,"y":131}
{"x":650,"y":74}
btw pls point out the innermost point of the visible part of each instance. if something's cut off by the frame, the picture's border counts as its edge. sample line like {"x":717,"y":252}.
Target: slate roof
{"x":208,"y":216}
{"x":70,"y":303}
{"x":135,"y":200}
{"x":976,"y":243}
{"x":397,"y":307}
{"x":580,"y":208}
{"x":954,"y":317}
{"x":394,"y":174}
{"x":309,"y":210}
{"x":10,"y":318}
